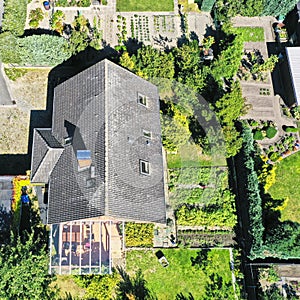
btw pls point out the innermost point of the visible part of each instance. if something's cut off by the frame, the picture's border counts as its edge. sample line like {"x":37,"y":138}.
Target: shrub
{"x":14,"y":17}
{"x":14,"y":73}
{"x":84,"y":3}
{"x":43,"y":50}
{"x":35,"y":16}
{"x":258,"y":135}
{"x":271,"y":132}
{"x":139,"y":234}
{"x":290,"y":129}
{"x":274,"y":156}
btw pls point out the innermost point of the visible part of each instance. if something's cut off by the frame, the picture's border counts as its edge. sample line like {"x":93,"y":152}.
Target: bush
{"x":84,"y":3}
{"x":43,"y":50}
{"x":258,"y":135}
{"x":139,"y":234}
{"x":14,"y":17}
{"x":14,"y":73}
{"x":290,"y":129}
{"x":274,"y":156}
{"x":271,"y":132}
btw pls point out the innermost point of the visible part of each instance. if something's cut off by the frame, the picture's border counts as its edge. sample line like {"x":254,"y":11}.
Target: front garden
{"x":185,"y":273}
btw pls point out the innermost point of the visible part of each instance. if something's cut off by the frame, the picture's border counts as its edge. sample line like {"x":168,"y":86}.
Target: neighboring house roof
{"x":97,"y":115}
{"x":293,"y":55}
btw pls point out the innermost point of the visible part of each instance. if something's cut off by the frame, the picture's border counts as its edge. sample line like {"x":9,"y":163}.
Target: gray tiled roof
{"x":98,"y":108}
{"x":46,"y":152}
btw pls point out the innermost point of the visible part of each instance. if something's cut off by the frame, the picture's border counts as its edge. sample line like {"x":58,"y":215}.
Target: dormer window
{"x":142,"y":99}
{"x":144,"y":167}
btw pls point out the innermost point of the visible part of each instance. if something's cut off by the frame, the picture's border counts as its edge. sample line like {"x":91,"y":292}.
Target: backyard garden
{"x":185,"y":274}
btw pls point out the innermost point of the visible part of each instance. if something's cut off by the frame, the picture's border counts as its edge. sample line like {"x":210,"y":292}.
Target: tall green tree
{"x":24,"y":271}
{"x":276,"y":8}
{"x":133,"y":288}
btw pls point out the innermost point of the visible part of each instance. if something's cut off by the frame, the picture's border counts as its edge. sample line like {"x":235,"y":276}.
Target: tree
{"x":217,"y":288}
{"x":24,"y":271}
{"x":276,"y":8}
{"x":133,"y":288}
{"x":175,"y":130}
{"x":151,"y":63}
{"x":207,"y":5}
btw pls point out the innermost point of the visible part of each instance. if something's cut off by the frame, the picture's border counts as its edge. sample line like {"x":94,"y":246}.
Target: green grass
{"x":15,"y":73}
{"x":287,"y":186}
{"x":251,"y":34}
{"x":190,"y":155}
{"x":180,"y":276}
{"x":149,"y":5}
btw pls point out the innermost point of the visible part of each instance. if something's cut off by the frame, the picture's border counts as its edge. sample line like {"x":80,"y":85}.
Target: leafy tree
{"x":14,"y":17}
{"x":24,"y":271}
{"x":175,"y":130}
{"x":127,"y":62}
{"x":276,"y":8}
{"x":217,"y":288}
{"x":248,"y":8}
{"x":151,"y":63}
{"x":78,"y":41}
{"x":207,"y":5}
{"x":133,"y":288}
{"x":188,"y":65}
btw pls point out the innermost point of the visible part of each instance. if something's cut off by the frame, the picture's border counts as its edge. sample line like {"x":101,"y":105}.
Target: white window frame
{"x":146,"y":166}
{"x":147,"y":134}
{"x":142,"y":100}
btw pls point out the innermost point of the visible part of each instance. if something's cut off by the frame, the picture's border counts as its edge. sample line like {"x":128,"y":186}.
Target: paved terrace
{"x":262,"y":107}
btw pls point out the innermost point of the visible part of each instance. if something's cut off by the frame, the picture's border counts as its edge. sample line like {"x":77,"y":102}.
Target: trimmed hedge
{"x":258,"y":135}
{"x":271,"y":132}
{"x":139,"y":234}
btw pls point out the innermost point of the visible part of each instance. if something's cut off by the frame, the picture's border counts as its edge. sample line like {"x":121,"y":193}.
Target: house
{"x":293,"y":59}
{"x":101,"y":164}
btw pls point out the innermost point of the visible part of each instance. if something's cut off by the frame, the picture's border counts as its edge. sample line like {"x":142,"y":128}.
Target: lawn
{"x":180,"y":276}
{"x":150,"y":5}
{"x":251,"y":34}
{"x":287,"y":186}
{"x":190,"y":155}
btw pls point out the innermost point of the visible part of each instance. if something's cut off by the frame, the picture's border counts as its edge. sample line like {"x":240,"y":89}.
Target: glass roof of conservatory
{"x":86,"y":246}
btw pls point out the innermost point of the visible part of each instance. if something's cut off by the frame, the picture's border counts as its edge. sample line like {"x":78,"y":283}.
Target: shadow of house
{"x":16,"y":164}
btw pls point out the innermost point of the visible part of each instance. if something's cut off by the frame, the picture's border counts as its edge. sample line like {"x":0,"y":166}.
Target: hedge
{"x":271,"y":132}
{"x":139,"y":234}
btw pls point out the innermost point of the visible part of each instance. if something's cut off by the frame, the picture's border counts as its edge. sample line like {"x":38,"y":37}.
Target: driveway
{"x":5,"y":98}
